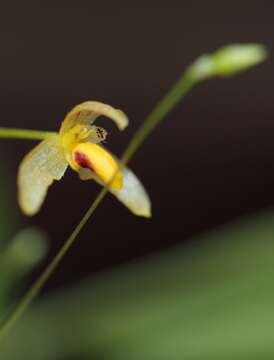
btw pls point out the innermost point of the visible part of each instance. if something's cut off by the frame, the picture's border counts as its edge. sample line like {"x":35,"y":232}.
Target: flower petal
{"x":45,"y":163}
{"x":87,"y":112}
{"x":132,"y":194}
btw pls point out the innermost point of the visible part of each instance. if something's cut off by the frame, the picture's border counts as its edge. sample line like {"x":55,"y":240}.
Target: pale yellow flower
{"x":78,"y":145}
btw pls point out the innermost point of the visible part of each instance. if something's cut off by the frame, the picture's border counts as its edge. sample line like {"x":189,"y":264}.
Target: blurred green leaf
{"x":210,"y":299}
{"x":22,"y":253}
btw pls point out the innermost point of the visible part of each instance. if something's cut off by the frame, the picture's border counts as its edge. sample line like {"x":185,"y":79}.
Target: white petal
{"x":133,"y":194}
{"x":45,"y":163}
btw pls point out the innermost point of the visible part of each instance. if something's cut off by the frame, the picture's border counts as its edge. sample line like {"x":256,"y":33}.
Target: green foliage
{"x":212,"y":299}
{"x":17,"y":259}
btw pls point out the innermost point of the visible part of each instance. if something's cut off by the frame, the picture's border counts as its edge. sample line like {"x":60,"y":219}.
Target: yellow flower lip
{"x":79,"y":139}
{"x":100,"y":162}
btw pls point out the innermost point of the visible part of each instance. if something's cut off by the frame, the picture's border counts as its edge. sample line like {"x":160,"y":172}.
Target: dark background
{"x":210,"y":161}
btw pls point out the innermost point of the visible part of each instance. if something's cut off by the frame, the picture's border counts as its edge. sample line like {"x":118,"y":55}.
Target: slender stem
{"x":42,"y":279}
{"x":24,"y":134}
{"x":184,"y":84}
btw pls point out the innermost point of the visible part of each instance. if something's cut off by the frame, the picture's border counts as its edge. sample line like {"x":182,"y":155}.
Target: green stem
{"x":184,"y":84}
{"x":42,"y":279}
{"x":24,"y":134}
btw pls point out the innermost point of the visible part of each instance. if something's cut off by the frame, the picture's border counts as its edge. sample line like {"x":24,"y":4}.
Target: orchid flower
{"x":78,"y":145}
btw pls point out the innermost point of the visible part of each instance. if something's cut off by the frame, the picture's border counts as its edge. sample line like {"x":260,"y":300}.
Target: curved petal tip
{"x":133,"y":194}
